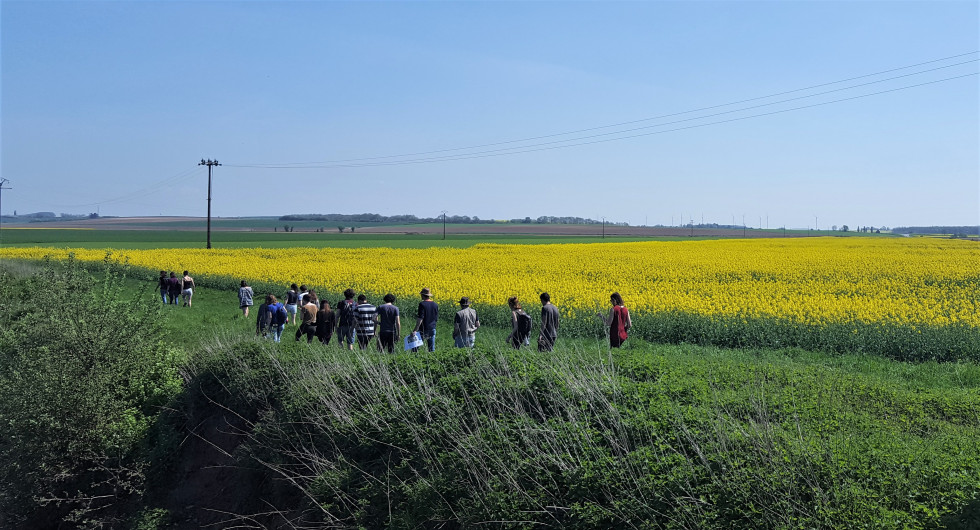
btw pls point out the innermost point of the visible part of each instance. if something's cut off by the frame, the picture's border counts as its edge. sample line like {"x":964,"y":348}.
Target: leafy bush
{"x":85,"y":369}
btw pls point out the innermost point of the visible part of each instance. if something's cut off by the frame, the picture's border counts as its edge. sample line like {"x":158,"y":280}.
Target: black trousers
{"x":308,"y":329}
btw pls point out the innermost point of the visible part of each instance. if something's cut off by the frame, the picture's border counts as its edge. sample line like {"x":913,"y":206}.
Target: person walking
{"x":520,"y":323}
{"x":618,"y":321}
{"x":313,"y":297}
{"x":308,"y":320}
{"x":263,"y":320}
{"x":367,"y":317}
{"x":346,"y":320}
{"x":426,"y":318}
{"x":173,"y":288}
{"x":277,"y":316}
{"x":326,"y":320}
{"x":187,"y":286}
{"x":389,"y":324}
{"x":299,"y":297}
{"x":245,"y":295}
{"x":549,"y":324}
{"x":164,"y":287}
{"x":465,"y":324}
{"x":292,"y":301}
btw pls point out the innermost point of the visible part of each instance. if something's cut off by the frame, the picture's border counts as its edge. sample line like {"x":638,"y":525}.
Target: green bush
{"x":85,"y":369}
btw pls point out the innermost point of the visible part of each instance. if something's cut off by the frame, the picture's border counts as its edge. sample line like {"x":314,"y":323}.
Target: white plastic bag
{"x":413,"y":341}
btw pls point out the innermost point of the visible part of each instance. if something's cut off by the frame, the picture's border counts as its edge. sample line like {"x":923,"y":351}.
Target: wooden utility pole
{"x":2,"y":182}
{"x":210,"y":163}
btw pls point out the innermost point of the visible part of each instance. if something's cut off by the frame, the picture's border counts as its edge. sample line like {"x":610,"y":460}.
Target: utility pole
{"x":2,"y":182}
{"x":743,"y":226}
{"x":603,"y":228}
{"x":444,"y":225}
{"x":210,"y":163}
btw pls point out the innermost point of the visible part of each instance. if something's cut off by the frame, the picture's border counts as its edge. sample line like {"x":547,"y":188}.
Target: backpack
{"x":524,"y":324}
{"x":346,"y":313}
{"x":279,"y":315}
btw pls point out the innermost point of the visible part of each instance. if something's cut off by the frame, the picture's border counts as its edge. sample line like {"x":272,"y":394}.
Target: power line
{"x":312,"y":165}
{"x":524,"y":149}
{"x":140,"y":192}
{"x":435,"y":159}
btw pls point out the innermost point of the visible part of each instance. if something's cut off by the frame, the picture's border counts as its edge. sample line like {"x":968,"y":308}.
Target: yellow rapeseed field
{"x":806,"y":280}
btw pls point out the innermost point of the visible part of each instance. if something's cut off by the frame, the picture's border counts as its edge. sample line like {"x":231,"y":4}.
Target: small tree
{"x":77,"y":400}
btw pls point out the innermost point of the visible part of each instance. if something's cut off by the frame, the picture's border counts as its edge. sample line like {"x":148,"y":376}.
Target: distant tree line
{"x":51,"y":216}
{"x":960,"y":231}
{"x":451,"y":219}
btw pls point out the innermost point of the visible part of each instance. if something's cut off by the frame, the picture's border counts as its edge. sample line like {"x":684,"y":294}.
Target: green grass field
{"x":229,"y":233}
{"x":137,"y":239}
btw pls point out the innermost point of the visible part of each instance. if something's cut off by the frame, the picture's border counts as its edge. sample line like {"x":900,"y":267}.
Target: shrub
{"x":85,"y":370}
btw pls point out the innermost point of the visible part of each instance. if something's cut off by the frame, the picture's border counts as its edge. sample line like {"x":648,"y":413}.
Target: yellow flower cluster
{"x":808,"y":280}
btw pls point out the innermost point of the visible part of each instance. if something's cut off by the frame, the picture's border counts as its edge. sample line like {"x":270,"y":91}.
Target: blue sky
{"x":108,"y":107}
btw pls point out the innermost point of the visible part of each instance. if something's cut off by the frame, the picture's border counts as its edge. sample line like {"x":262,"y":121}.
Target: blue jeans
{"x":163,"y":296}
{"x":277,"y":332}
{"x":345,"y":335}
{"x":465,"y":341}
{"x":429,"y":336}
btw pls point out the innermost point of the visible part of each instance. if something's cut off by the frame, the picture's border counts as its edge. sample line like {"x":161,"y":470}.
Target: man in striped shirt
{"x":367,"y":316}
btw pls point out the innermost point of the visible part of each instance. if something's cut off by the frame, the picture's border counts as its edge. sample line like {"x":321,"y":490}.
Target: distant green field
{"x":136,"y":239}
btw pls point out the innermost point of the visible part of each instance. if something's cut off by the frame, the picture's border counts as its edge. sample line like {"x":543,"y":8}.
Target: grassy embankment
{"x":650,"y":436}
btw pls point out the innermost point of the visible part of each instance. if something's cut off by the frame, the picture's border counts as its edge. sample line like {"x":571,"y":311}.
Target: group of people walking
{"x":172,"y":288}
{"x":356,"y":321}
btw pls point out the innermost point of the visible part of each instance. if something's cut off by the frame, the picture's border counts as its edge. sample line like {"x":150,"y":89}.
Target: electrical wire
{"x":301,"y":165}
{"x":524,"y":149}
{"x":140,"y":192}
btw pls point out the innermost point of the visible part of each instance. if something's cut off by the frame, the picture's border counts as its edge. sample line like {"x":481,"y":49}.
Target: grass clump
{"x":653,"y":437}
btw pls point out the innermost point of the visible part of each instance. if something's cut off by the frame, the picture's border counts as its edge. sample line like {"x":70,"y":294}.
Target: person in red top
{"x":618,"y":321}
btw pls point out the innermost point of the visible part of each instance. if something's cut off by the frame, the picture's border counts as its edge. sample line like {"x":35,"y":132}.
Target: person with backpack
{"x":618,"y":321}
{"x":264,"y":320}
{"x":346,"y":320}
{"x":277,"y":315}
{"x":521,"y":324}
